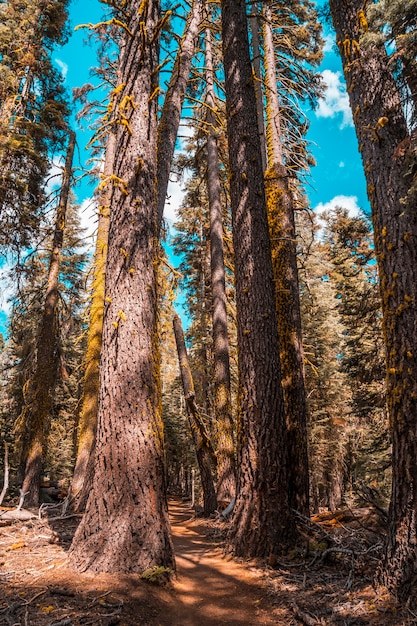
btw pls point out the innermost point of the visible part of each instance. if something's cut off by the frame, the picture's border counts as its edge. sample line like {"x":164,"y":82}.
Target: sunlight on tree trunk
{"x":125,"y":527}
{"x":262,"y":523}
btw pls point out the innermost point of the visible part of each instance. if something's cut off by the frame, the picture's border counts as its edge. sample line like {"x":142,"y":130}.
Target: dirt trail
{"x":38,"y":588}
{"x":211,"y":589}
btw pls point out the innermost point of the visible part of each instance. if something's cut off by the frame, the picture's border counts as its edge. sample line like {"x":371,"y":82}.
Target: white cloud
{"x":347,"y":202}
{"x":336,"y":99}
{"x":342,"y":164}
{"x":63,"y":67}
{"x":329,"y":43}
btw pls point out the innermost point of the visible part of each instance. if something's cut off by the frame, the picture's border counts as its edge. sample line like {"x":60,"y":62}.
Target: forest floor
{"x":328,"y":581}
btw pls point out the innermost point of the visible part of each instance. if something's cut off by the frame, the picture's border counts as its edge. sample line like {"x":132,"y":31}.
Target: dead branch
{"x":306,"y":618}
{"x":16,"y":515}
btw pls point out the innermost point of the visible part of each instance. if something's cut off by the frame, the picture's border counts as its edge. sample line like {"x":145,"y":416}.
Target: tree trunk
{"x":125,"y":528}
{"x":226,"y":479}
{"x":262,"y":522}
{"x":38,"y":408}
{"x":256,"y":50}
{"x":382,"y":134}
{"x":280,"y":205}
{"x":171,"y":111}
{"x":203,"y":449}
{"x":81,"y":481}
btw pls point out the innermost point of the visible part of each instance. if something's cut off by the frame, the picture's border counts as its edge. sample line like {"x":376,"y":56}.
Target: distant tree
{"x":38,"y":401}
{"x":203,"y":448}
{"x":327,"y":385}
{"x":383,"y":137}
{"x":353,"y":274}
{"x":223,"y":418}
{"x":33,"y":112}
{"x":20,"y":353}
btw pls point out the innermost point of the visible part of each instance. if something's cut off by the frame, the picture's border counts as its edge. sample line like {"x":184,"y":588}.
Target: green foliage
{"x":157,"y":575}
{"x":349,"y":245}
{"x":18,"y":358}
{"x":33,"y":112}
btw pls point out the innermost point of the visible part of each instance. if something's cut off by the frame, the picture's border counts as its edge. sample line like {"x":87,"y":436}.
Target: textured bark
{"x":226,"y":466}
{"x":382,"y":133}
{"x":280,"y":204}
{"x":203,"y":449}
{"x":262,"y":523}
{"x":257,"y":67}
{"x":171,"y":111}
{"x":81,"y":482}
{"x":125,"y":528}
{"x":38,"y":408}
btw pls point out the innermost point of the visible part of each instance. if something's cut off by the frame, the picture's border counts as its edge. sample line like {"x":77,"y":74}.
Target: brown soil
{"x":211,"y":588}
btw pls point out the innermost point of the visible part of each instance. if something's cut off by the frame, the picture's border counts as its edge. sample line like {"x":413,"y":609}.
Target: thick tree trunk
{"x":81,"y":483}
{"x":125,"y":528}
{"x":38,"y":408}
{"x":382,"y":134}
{"x":171,"y":111}
{"x":203,"y":449}
{"x":226,"y":479}
{"x":262,"y":523}
{"x":280,"y":204}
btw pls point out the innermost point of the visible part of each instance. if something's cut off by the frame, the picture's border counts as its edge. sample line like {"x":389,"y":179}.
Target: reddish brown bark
{"x":382,"y":135}
{"x":125,"y":527}
{"x":226,"y":466}
{"x":262,"y":523}
{"x":284,"y":261}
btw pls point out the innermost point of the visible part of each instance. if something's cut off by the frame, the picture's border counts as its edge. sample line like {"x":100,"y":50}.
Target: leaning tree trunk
{"x":82,"y":478}
{"x":226,"y":479}
{"x":280,"y":204}
{"x":262,"y":522}
{"x":125,"y":527}
{"x":39,"y":402}
{"x":202,"y":444}
{"x":383,"y":140}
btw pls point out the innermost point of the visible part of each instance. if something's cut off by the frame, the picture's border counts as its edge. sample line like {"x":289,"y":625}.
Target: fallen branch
{"x":306,"y":618}
{"x":16,"y":515}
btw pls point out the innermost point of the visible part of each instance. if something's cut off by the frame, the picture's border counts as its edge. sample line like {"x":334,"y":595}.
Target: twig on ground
{"x":306,"y":618}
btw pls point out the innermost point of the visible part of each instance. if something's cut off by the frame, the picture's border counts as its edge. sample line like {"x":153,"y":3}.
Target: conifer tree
{"x":37,"y":410}
{"x":262,"y":523}
{"x":354,"y":277}
{"x":33,"y":112}
{"x":20,"y":352}
{"x":382,"y":133}
{"x":226,"y":479}
{"x":327,"y":385}
{"x":126,"y":530}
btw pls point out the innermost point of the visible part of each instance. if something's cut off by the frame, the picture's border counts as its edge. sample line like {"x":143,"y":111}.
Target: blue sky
{"x":338,"y":178}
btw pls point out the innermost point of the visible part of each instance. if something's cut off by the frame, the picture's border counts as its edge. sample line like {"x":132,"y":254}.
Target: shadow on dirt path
{"x":211,"y":588}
